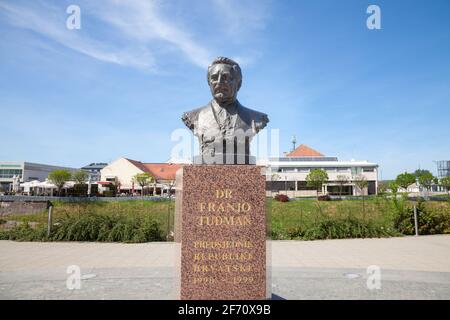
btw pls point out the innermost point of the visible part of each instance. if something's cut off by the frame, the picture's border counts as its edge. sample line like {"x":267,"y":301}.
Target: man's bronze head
{"x":224,"y":79}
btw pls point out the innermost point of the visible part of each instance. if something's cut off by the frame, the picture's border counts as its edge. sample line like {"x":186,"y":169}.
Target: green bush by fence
{"x":142,"y":221}
{"x":91,"y":227}
{"x":137,"y":221}
{"x":379,"y":217}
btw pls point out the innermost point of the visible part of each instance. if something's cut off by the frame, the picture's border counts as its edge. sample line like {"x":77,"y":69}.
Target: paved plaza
{"x":410,"y":268}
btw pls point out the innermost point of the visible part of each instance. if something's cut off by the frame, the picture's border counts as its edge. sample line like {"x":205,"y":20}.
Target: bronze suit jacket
{"x":203,"y":123}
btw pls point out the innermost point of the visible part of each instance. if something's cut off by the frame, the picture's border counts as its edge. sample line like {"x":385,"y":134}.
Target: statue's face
{"x":223,"y":83}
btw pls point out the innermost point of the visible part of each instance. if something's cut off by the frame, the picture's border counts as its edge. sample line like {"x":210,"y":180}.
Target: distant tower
{"x":294,"y":141}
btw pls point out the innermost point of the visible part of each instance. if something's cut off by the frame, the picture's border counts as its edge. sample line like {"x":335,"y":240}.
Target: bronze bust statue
{"x":224,"y":127}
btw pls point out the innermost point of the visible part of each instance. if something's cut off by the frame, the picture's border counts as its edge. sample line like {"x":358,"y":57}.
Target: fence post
{"x":415,"y":221}
{"x":168,"y":220}
{"x":49,"y":226}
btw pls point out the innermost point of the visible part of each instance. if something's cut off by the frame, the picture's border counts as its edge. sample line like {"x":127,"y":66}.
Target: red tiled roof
{"x":138,"y":164}
{"x":160,"y":171}
{"x":304,"y":151}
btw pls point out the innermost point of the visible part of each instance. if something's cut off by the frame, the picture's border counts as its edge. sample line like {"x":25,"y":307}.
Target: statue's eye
{"x":214,"y":77}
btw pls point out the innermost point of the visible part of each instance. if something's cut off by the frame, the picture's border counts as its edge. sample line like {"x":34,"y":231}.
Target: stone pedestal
{"x":221,"y":224}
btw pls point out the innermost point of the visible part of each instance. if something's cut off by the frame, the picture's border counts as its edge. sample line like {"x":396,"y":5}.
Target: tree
{"x":114,"y":187}
{"x":59,"y":178}
{"x":316,"y":178}
{"x":426,"y":179}
{"x":405,"y":179}
{"x":361,"y":183}
{"x":445,"y":182}
{"x":382,"y":187}
{"x":420,"y":172}
{"x":394,"y":187}
{"x":341,"y":180}
{"x":80,"y":177}
{"x":275,"y":177}
{"x":143,"y":179}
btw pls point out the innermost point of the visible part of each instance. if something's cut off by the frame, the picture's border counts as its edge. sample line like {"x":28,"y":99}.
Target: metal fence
{"x":80,"y":199}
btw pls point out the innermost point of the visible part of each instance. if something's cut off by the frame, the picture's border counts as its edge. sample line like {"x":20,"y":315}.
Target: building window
{"x":10,"y":173}
{"x":302,"y":185}
{"x":288,"y":169}
{"x":280,"y":185}
{"x":368,"y":169}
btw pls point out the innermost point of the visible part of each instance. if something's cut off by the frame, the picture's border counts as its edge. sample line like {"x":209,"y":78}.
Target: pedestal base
{"x":221,"y":223}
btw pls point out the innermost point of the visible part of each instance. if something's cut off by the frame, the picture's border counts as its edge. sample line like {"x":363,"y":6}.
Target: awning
{"x":103,"y":183}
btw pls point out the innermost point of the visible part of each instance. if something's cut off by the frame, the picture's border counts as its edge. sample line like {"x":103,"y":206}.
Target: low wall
{"x":21,"y":207}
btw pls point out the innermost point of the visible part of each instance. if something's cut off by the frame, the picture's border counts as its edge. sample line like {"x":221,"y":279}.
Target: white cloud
{"x":242,"y":18}
{"x":48,"y":22}
{"x":137,"y":33}
{"x":141,"y":21}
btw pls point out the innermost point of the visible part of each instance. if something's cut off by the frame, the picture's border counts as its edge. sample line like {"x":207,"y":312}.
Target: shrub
{"x":430,"y":220}
{"x":329,"y":227}
{"x":79,"y":190}
{"x":324,"y":197}
{"x":281,"y":198}
{"x":90,"y":227}
{"x":109,"y":193}
{"x":23,"y":232}
{"x":109,"y":228}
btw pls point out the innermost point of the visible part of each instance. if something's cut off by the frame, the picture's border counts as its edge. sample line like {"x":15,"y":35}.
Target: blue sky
{"x":118,"y":86}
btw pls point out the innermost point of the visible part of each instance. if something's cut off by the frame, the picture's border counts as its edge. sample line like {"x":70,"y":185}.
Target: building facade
{"x":121,"y":172}
{"x":19,"y":172}
{"x":94,"y":170}
{"x":288,"y":174}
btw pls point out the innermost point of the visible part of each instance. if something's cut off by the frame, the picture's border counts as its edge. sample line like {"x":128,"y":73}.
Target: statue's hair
{"x":234,"y":64}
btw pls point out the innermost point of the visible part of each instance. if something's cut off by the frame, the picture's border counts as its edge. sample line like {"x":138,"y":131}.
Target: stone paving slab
{"x":424,"y":253}
{"x":287,"y":283}
{"x":411,"y":268}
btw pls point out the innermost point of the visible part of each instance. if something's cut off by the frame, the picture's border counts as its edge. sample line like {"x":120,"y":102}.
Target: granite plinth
{"x":225,"y":158}
{"x":221,"y":224}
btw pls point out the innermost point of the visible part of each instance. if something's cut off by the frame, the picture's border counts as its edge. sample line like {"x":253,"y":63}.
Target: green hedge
{"x":91,"y":227}
{"x":430,"y":219}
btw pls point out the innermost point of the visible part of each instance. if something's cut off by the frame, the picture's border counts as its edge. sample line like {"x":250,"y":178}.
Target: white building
{"x":122,"y":170}
{"x":24,"y":172}
{"x":289,"y":174}
{"x":93,"y":170}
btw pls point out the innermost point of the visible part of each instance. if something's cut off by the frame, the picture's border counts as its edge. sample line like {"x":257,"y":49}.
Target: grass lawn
{"x":300,"y":219}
